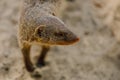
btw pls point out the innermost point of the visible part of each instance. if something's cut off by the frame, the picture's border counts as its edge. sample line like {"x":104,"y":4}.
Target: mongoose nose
{"x":76,"y":39}
{"x":70,"y":39}
{"x":73,"y":40}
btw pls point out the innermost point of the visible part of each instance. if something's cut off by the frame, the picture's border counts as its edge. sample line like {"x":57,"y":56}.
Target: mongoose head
{"x":53,"y":31}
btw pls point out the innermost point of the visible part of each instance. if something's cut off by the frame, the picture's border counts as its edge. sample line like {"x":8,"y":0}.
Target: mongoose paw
{"x":41,"y":64}
{"x":30,"y":69}
{"x":36,"y":74}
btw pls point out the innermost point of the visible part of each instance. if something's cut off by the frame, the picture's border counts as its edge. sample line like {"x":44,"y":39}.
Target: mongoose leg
{"x":26,"y":56}
{"x":41,"y":59}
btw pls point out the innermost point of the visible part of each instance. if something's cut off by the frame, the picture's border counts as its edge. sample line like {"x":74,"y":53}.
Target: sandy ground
{"x":95,"y":57}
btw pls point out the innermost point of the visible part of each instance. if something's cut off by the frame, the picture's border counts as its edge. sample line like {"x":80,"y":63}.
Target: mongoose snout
{"x":53,"y":31}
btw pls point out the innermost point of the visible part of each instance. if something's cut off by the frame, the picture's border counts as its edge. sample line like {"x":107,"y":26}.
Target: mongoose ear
{"x":39,"y":30}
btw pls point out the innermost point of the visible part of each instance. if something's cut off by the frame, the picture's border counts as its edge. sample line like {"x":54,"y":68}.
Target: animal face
{"x":55,"y":33}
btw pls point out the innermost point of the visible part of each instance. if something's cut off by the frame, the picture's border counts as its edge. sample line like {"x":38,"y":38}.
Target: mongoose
{"x":39,"y":24}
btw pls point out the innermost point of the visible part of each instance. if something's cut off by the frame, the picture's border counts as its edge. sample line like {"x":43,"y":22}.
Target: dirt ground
{"x":95,"y":57}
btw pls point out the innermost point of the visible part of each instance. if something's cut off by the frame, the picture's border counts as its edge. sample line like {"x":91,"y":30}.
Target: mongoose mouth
{"x":68,"y":42}
{"x":62,"y":42}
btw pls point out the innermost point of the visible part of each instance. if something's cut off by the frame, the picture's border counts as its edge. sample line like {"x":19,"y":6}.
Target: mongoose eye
{"x":59,"y":34}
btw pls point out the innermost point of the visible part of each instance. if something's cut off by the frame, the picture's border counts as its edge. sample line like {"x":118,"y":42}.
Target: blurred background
{"x":95,"y":57}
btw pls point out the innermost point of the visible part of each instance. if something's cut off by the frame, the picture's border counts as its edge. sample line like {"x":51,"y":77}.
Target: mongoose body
{"x":32,"y":11}
{"x":39,"y":24}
